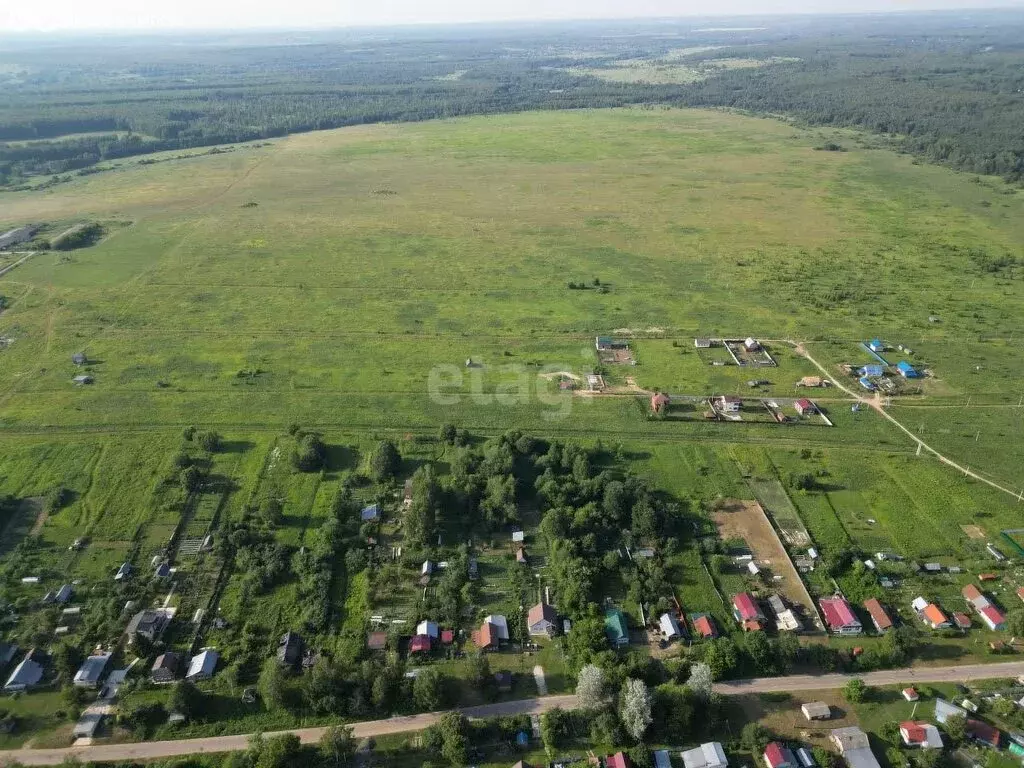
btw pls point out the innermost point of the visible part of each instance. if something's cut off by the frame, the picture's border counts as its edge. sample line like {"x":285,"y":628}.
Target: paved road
{"x":151,"y":750}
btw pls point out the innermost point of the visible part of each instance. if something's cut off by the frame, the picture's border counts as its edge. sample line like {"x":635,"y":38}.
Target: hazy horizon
{"x":196,"y":15}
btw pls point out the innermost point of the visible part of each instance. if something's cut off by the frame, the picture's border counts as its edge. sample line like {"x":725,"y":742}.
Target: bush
{"x":384,"y":462}
{"x":309,"y":454}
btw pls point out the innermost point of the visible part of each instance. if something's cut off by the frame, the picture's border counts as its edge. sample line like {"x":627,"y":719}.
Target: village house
{"x":669,"y":626}
{"x":854,"y":746}
{"x":202,"y":665}
{"x":728,"y":403}
{"x":420,"y":644}
{"x":165,"y":668}
{"x":920,"y":734}
{"x":906,"y":370}
{"x":879,"y":616}
{"x":704,"y":626}
{"x":28,"y":673}
{"x":747,"y":612}
{"x":839,"y":616}
{"x":429,"y":628}
{"x":992,"y":617}
{"x":486,"y":638}
{"x":542,"y":620}
{"x":805,"y":407}
{"x":776,"y":755}
{"x":149,"y":624}
{"x":615,"y":627}
{"x":376,"y":641}
{"x":816,"y":710}
{"x":501,"y":623}
{"x":709,"y":755}
{"x":289,"y":649}
{"x":89,"y":674}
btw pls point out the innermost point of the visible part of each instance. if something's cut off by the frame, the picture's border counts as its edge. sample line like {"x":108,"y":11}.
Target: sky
{"x":51,"y":15}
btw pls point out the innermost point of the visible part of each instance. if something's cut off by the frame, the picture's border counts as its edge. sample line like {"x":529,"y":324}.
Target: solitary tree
{"x":272,"y":684}
{"x":855,"y":691}
{"x":384,"y":461}
{"x":591,"y":687}
{"x":635,"y":708}
{"x":310,"y":453}
{"x":700,"y":681}
{"x":337,"y":747}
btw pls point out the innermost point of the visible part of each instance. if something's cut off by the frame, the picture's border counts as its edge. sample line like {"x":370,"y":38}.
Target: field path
{"x":155,"y":750}
{"x":876,"y":404}
{"x":18,"y":263}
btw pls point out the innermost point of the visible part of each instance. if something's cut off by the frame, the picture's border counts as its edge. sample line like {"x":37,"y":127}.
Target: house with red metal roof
{"x":704,"y":626}
{"x":419,"y":644}
{"x":778,"y":756}
{"x":486,"y":638}
{"x":747,"y":612}
{"x":920,"y":734}
{"x":879,"y":616}
{"x":983,"y":733}
{"x":993,"y":617}
{"x":961,"y":620}
{"x":804,"y":406}
{"x":618,"y":760}
{"x":447,"y":636}
{"x":839,"y":616}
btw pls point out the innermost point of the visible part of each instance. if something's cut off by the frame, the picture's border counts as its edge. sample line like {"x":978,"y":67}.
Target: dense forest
{"x":946,"y":86}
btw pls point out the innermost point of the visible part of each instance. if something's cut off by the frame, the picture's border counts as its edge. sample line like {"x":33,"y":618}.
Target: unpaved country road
{"x":154,"y":750}
{"x":874,"y":403}
{"x":18,"y":263}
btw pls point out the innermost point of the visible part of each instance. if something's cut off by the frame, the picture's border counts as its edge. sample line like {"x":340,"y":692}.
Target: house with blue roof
{"x":867,"y":384}
{"x":876,"y":345}
{"x":370,"y":513}
{"x":907,"y":371}
{"x":871,"y":371}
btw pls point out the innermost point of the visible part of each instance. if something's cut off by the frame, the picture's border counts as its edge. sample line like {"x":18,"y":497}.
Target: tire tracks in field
{"x":875,"y":404}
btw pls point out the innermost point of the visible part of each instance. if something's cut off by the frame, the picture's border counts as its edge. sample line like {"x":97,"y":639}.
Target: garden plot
{"x":776,"y":502}
{"x":747,"y":520}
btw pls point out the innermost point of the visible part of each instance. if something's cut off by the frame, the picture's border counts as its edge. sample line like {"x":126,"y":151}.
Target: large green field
{"x":341,"y":280}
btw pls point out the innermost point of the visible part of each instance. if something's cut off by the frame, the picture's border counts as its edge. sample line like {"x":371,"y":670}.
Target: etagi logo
{"x":508,"y":385}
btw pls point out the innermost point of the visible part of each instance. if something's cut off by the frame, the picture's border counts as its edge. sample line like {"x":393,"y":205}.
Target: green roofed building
{"x":615,"y":627}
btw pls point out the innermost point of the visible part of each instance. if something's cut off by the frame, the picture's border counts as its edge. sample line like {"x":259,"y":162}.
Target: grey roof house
{"x":150,"y":624}
{"x":28,"y":672}
{"x":89,"y":674}
{"x":289,"y":649}
{"x":202,"y":665}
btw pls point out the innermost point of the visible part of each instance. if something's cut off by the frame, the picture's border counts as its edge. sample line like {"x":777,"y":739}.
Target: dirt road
{"x":875,"y":403}
{"x":152,"y":750}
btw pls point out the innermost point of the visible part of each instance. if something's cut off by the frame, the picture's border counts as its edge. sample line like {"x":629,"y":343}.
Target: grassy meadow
{"x":341,"y":280}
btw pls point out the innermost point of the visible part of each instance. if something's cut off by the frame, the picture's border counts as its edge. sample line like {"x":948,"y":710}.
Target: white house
{"x":429,"y":628}
{"x":709,"y":755}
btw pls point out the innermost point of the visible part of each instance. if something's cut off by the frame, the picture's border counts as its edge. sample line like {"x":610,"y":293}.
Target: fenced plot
{"x":747,"y":520}
{"x":775,"y":500}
